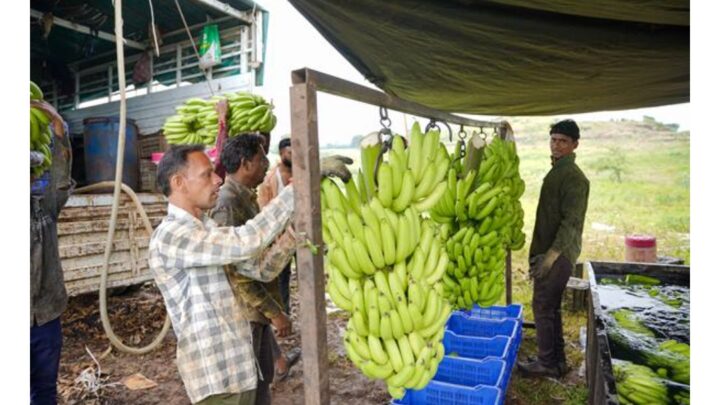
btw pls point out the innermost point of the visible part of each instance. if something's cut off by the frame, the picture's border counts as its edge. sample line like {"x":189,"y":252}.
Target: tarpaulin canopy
{"x":513,"y":57}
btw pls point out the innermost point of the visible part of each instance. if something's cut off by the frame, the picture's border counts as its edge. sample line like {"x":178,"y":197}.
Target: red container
{"x":640,"y":249}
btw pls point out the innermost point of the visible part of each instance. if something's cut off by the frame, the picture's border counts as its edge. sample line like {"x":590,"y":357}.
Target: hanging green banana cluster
{"x":385,"y":262}
{"x":40,"y":135}
{"x":196,"y":121}
{"x":249,"y":113}
{"x":482,"y":205}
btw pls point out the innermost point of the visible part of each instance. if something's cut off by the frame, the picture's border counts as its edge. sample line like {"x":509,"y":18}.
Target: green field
{"x":639,"y":176}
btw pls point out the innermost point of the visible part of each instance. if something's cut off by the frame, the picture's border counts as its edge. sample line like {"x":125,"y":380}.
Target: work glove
{"x":36,"y":158}
{"x":540,"y":265}
{"x":336,"y":166}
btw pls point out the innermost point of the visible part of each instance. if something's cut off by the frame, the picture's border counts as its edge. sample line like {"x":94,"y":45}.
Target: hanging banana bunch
{"x":40,"y":135}
{"x":482,"y":205}
{"x":385,"y":262}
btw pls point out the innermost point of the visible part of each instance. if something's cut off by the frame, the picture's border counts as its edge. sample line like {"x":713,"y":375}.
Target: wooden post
{"x":311,"y":278}
{"x":508,"y":253}
{"x":508,"y":277}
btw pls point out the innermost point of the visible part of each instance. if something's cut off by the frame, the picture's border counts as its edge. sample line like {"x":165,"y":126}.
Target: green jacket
{"x":259,"y":302}
{"x":561,"y":210}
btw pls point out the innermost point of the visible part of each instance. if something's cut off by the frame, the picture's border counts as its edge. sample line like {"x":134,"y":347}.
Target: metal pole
{"x":311,"y":278}
{"x":178,"y":65}
{"x":77,"y":90}
{"x":110,"y":82}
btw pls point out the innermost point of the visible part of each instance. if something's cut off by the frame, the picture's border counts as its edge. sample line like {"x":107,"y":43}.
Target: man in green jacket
{"x":556,"y":245}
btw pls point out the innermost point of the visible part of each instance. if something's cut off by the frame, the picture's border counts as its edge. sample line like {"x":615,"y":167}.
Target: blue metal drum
{"x":101,"y":141}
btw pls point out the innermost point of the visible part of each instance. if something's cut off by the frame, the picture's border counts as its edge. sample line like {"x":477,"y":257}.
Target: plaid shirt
{"x":187,"y":255}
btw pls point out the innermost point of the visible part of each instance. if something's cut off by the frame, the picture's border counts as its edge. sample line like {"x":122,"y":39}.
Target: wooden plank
{"x":98,"y":247}
{"x":91,"y":267}
{"x":227,"y":9}
{"x":353,"y":91}
{"x":311,"y":278}
{"x":86,"y":30}
{"x":82,"y":286}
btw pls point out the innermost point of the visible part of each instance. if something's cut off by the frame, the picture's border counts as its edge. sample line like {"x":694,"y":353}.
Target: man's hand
{"x":336,"y":165}
{"x":282,"y":325}
{"x":540,"y":270}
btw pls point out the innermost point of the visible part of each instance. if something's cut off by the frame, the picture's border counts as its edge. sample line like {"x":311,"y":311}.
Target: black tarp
{"x":511,"y":57}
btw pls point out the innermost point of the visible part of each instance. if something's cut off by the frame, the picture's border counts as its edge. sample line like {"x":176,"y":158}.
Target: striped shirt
{"x":187,"y":255}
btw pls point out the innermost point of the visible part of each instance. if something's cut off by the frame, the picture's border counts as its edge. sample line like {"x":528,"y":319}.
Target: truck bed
{"x":82,"y":232}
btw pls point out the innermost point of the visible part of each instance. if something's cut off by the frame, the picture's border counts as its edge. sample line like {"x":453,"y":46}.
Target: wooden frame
{"x":306,"y":179}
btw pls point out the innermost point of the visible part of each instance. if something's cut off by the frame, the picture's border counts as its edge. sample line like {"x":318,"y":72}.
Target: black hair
{"x":239,"y":149}
{"x":284,"y":143}
{"x":566,"y":127}
{"x":172,"y":162}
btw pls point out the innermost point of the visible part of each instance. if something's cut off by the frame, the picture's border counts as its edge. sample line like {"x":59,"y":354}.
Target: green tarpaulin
{"x":511,"y":57}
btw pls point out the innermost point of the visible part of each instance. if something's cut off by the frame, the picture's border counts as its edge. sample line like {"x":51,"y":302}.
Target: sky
{"x":293,"y":43}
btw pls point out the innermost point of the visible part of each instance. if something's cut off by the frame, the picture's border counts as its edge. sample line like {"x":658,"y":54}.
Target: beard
{"x":287,"y":162}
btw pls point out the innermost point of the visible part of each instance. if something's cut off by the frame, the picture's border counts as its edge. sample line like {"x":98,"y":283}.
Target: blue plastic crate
{"x":441,"y":393}
{"x":38,"y":186}
{"x":463,"y":324}
{"x":477,"y":347}
{"x":473,"y":372}
{"x":513,"y":311}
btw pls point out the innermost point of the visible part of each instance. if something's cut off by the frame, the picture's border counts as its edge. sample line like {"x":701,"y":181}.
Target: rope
{"x":197,"y":54}
{"x":118,"y":187}
{"x":154,"y":33}
{"x":117,"y":342}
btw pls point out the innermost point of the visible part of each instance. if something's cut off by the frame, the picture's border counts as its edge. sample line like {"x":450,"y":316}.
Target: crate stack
{"x":481,"y":347}
{"x":147,"y":145}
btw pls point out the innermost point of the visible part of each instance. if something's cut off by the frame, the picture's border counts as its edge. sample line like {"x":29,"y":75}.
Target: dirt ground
{"x":137,"y":316}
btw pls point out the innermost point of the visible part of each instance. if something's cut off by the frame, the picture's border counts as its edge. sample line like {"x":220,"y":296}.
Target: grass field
{"x":639,"y":176}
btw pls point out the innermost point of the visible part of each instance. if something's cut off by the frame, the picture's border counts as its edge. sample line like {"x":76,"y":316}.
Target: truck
{"x":73,"y":60}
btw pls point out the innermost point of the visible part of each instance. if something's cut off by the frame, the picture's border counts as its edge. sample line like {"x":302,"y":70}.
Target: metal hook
{"x":461,"y":134}
{"x":431,"y":125}
{"x":385,"y":121}
{"x":386,"y":146}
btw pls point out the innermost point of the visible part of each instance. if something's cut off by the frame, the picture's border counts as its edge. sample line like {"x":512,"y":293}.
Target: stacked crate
{"x":148,"y":145}
{"x":481,"y":347}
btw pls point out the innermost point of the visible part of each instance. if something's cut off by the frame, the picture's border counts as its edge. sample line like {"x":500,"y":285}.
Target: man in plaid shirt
{"x":187,"y":254}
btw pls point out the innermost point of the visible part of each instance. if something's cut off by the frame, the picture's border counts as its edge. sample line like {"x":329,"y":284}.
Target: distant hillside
{"x":532,"y":130}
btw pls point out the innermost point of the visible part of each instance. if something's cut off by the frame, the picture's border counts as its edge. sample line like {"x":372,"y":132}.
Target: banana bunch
{"x":482,"y":206}
{"x":248,"y":113}
{"x":670,"y":359}
{"x":637,"y":384}
{"x":413,"y":176}
{"x":385,"y":264}
{"x":476,"y":272}
{"x":40,"y":136}
{"x":196,"y":122}
{"x":675,"y":358}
